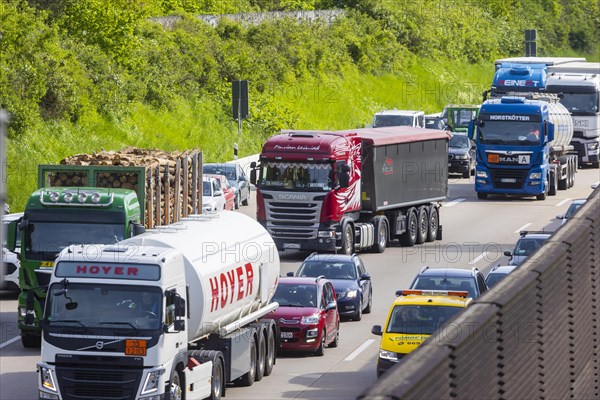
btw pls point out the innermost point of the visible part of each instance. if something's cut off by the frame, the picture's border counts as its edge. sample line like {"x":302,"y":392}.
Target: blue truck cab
{"x":521,"y":147}
{"x":511,"y":78}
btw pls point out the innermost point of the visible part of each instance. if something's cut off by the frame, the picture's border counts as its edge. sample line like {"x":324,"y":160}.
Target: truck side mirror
{"x":376,"y":330}
{"x":179,"y":306}
{"x":253,"y":173}
{"x":344,"y":176}
{"x":11,"y":236}
{"x":549,"y":131}
{"x":136,"y":228}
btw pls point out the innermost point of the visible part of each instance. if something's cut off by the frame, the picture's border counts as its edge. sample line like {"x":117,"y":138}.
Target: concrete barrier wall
{"x":536,"y":335}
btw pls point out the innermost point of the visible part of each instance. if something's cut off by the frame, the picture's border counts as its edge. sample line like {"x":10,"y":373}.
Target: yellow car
{"x":414,"y":316}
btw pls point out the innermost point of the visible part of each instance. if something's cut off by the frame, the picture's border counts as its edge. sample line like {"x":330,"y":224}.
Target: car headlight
{"x":482,"y":174}
{"x":350,"y":294}
{"x":310,"y":320}
{"x":535,"y":175}
{"x":388,"y":355}
{"x":47,"y":379}
{"x":460,"y":157}
{"x":312,"y":333}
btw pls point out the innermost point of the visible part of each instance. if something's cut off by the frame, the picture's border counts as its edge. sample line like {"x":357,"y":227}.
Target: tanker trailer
{"x":523,"y":147}
{"x":173,"y":313}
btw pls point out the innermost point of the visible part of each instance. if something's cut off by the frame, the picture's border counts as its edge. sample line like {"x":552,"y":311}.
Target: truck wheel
{"x":481,"y":196}
{"x":423,"y":225}
{"x":217,"y":380}
{"x":467,"y":173}
{"x":409,"y":237}
{"x":562,"y":183}
{"x":552,"y":185}
{"x":248,"y":378}
{"x":347,"y":239}
{"x":381,"y":234}
{"x":31,"y":341}
{"x":434,"y":223}
{"x":261,"y":356}
{"x":271,"y":351}
{"x":174,"y":389}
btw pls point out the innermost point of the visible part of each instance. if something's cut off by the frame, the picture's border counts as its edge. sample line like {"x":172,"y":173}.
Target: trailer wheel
{"x":271,"y":351}
{"x":262,"y":355}
{"x":248,"y":378}
{"x":174,"y":389}
{"x":381,"y":234}
{"x":409,"y":237}
{"x":434,"y":223}
{"x":423,"y":225}
{"x":573,"y":171}
{"x":347,"y":239}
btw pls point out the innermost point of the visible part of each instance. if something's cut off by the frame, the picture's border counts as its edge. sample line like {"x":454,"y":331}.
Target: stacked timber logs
{"x":168,"y":184}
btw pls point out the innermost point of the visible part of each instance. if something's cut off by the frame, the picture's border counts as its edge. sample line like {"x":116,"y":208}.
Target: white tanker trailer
{"x":174,"y":313}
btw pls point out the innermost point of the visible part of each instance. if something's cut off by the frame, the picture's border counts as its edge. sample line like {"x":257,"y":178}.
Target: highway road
{"x":475,"y":234}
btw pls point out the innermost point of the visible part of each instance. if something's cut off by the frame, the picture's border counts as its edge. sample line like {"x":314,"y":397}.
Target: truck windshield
{"x":581,"y":103}
{"x":461,"y":118}
{"x":110,"y":307}
{"x":509,"y":132}
{"x":46,"y":239}
{"x":419,"y":319}
{"x":296,"y":176}
{"x":392,"y":120}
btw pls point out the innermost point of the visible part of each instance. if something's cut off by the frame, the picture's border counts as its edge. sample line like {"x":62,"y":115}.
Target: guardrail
{"x":535,"y":335}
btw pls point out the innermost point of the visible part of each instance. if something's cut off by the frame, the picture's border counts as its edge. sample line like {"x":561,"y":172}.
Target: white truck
{"x":174,"y":313}
{"x":578,"y":84}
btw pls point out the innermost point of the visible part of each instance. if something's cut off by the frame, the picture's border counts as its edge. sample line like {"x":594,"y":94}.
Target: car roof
{"x":399,"y":112}
{"x":330,"y":257}
{"x":536,"y":236}
{"x":446,"y":272}
{"x":502,"y":269}
{"x":429,"y":300}
{"x":299,"y":280}
{"x":579,"y":201}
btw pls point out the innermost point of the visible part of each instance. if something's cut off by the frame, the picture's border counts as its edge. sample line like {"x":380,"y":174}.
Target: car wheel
{"x":321,"y":349}
{"x":367,"y":309}
{"x":358,"y":315}
{"x":246,"y":200}
{"x":236,"y":202}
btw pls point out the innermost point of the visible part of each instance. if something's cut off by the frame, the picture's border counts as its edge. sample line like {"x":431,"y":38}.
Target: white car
{"x":10,"y":260}
{"x":571,"y":210}
{"x":213,"y":199}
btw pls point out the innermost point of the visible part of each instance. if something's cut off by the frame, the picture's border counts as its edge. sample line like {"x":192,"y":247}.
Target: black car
{"x":350,"y":280}
{"x":237,"y":179}
{"x":469,"y":280}
{"x":461,"y":155}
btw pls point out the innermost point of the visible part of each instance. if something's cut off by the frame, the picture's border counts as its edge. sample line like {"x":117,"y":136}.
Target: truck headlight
{"x":326,"y":234}
{"x":388,"y":355}
{"x":593,"y":145}
{"x":46,"y":395}
{"x":535,"y":175}
{"x":22,"y":312}
{"x":482,"y":174}
{"x":310,"y":320}
{"x":47,"y":379}
{"x":152,"y":382}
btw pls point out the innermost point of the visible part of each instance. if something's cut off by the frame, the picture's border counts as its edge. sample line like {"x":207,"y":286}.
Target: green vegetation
{"x":81,"y":75}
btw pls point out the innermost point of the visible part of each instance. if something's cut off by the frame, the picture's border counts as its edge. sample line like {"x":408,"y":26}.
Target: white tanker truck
{"x":174,"y":313}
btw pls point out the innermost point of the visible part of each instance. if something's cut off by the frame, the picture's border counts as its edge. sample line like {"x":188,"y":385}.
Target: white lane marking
{"x":523,"y":227}
{"x":360,"y":348}
{"x":562,"y":202}
{"x":454,"y":202}
{"x":10,"y":341}
{"x":479,"y":257}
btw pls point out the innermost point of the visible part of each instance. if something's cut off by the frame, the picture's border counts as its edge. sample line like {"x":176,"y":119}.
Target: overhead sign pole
{"x":530,"y":43}
{"x":3,"y":174}
{"x":239,"y":97}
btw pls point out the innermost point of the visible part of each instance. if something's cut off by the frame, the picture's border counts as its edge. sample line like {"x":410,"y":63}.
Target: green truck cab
{"x":55,"y":217}
{"x":459,"y":116}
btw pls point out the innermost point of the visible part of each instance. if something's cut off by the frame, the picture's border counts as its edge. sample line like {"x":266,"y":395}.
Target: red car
{"x":308,"y":315}
{"x":227,"y":189}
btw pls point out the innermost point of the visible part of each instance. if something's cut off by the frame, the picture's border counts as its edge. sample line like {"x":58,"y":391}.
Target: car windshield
{"x":300,"y":176}
{"x":295,"y":295}
{"x":413,"y":319}
{"x":100,"y":305}
{"x":329,"y":269}
{"x":526,"y":246}
{"x":509,"y":132}
{"x":466,"y":283}
{"x":228,"y":170}
{"x":392,"y":120}
{"x":206,"y":189}
{"x":572,"y":209}
{"x":459,"y":141}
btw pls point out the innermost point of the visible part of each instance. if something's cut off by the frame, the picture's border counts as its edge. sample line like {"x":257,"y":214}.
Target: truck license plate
{"x":291,"y":246}
{"x":135,"y":347}
{"x":287,"y":335}
{"x":508,"y":180}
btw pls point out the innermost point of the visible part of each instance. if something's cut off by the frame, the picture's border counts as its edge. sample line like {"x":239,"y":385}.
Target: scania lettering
{"x":362,"y":189}
{"x":184,"y":325}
